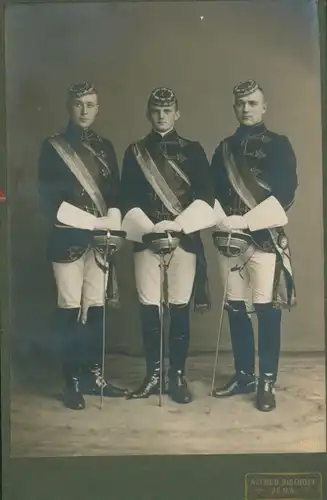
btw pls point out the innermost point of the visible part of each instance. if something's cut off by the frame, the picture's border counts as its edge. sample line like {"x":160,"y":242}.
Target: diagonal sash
{"x":201,"y":291}
{"x":157,"y":181}
{"x":82,"y":174}
{"x":242,"y":186}
{"x":178,"y":171}
{"x":79,"y":169}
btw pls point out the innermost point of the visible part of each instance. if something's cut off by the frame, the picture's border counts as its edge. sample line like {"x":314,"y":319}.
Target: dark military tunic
{"x":270,"y":157}
{"x":189,"y":156}
{"x":57,"y":184}
{"x":137,"y":192}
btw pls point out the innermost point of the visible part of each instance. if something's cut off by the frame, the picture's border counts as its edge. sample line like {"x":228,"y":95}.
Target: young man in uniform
{"x":167,"y":178}
{"x":79,"y":166}
{"x":255,"y":176}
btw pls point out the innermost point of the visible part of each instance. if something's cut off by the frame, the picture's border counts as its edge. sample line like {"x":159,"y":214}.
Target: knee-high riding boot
{"x":150,"y":322}
{"x":269,"y":338}
{"x":242,"y":340}
{"x":67,"y":327}
{"x":92,"y":380}
{"x":179,"y":339}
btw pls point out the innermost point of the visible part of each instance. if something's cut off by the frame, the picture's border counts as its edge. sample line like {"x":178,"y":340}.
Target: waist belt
{"x":160,"y":216}
{"x":236,"y":211}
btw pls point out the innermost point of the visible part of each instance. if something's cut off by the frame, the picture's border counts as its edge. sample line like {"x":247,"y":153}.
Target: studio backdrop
{"x":200,"y":50}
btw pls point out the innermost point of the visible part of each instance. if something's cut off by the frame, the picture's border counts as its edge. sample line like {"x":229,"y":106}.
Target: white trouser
{"x":254,"y":284}
{"x":80,"y":284}
{"x":181,"y":274}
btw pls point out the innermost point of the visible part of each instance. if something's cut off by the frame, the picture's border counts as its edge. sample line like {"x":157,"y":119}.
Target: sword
{"x":163,"y":268}
{"x":221,"y":320}
{"x":163,"y":274}
{"x":105,"y":280}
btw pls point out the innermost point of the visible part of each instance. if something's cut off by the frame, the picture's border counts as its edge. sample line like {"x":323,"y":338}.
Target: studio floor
{"x":42,"y":427}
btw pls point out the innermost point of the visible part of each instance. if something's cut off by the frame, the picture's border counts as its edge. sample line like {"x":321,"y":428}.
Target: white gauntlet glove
{"x":103,"y":223}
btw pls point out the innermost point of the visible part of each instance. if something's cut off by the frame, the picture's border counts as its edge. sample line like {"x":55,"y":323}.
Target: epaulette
{"x":52,"y":136}
{"x":139,"y":140}
{"x":225,"y":139}
{"x":269,"y":136}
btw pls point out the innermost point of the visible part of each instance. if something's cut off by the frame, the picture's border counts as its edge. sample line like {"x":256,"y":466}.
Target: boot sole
{"x":95,"y":393}
{"x":157,"y":393}
{"x":265,"y":409}
{"x":229,"y":395}
{"x":182,"y":402}
{"x":75,"y":408}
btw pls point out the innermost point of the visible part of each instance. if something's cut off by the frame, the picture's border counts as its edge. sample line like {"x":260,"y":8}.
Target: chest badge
{"x":255,"y":171}
{"x":258,"y":154}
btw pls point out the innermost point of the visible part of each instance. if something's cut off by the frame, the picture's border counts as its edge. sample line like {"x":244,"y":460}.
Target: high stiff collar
{"x":171,"y":136}
{"x":77,"y":133}
{"x":243,"y":132}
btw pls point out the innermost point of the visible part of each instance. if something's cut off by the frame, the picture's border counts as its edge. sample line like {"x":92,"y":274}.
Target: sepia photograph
{"x":165,"y":178}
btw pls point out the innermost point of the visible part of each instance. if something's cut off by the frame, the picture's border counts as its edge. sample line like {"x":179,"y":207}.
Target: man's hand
{"x":166,"y":225}
{"x":233,"y":223}
{"x":103,"y":223}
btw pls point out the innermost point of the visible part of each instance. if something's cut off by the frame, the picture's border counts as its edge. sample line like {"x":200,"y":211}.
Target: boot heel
{"x":150,"y":386}
{"x":178,"y":389}
{"x":73,"y":398}
{"x":265,"y":400}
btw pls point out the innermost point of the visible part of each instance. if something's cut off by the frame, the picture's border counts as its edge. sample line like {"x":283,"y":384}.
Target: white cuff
{"x":197,"y":216}
{"x":267,"y":215}
{"x":75,"y":217}
{"x":136,"y":223}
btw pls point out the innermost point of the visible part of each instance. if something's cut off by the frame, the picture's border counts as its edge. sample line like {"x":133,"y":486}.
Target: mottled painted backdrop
{"x":200,"y":49}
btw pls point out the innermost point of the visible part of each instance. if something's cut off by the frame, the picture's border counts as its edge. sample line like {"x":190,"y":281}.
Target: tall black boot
{"x":68,"y":334}
{"x":269,"y":338}
{"x":242,"y":339}
{"x":150,"y":321}
{"x":179,"y":339}
{"x":73,"y":397}
{"x":92,"y":380}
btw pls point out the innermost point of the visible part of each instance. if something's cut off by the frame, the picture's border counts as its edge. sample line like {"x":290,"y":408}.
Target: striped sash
{"x":81,"y":172}
{"x":157,"y":181}
{"x":284,"y":288}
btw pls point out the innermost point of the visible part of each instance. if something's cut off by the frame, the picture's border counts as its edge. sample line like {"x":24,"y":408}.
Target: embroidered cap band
{"x":245,"y":88}
{"x":162,"y":96}
{"x":80,"y":89}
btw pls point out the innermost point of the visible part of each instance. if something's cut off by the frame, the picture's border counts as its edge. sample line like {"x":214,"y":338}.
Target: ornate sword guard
{"x":162,"y":243}
{"x":231,"y":244}
{"x":109,"y":241}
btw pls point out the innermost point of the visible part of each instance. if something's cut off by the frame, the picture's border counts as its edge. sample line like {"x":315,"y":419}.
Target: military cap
{"x":162,"y":96}
{"x":245,"y":88}
{"x":80,"y":89}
